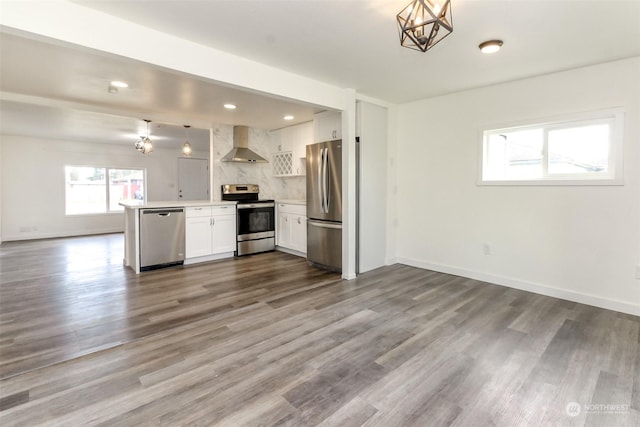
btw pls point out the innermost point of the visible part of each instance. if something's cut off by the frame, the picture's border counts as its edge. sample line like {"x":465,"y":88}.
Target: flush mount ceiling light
{"x":186,"y":148}
{"x":490,"y":46}
{"x":288,"y":117}
{"x":119,"y":84}
{"x":423,"y":23}
{"x":115,"y":85}
{"x":230,"y":106}
{"x":144,"y":144}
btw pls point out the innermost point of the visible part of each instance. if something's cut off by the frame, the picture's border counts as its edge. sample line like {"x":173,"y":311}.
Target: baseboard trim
{"x":594,"y":300}
{"x":37,"y":236}
{"x":206,"y":258}
{"x":291,"y":251}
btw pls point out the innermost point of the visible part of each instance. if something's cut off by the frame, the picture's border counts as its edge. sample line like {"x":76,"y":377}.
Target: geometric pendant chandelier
{"x":423,"y":23}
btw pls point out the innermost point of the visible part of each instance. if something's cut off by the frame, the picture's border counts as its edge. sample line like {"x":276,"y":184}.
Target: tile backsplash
{"x":256,"y":173}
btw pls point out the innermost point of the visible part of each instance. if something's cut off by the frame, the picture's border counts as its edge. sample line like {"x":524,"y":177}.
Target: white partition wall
{"x":371,"y":129}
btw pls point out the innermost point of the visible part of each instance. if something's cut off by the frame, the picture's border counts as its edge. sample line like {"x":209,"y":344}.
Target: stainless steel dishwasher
{"x":161,"y":237}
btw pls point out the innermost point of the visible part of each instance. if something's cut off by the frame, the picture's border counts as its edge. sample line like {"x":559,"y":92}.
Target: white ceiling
{"x":55,"y":90}
{"x":60,"y":91}
{"x":355,"y":43}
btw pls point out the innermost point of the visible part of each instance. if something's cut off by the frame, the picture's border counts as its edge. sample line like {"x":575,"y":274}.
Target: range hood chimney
{"x":240,"y":151}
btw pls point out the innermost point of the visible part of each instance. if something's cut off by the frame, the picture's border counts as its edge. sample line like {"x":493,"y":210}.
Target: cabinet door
{"x":283,"y":232}
{"x":299,"y":233}
{"x":223,"y":233}
{"x":276,"y":140}
{"x":197,"y":236}
{"x":287,"y":138}
{"x":327,"y":126}
{"x":303,"y":137}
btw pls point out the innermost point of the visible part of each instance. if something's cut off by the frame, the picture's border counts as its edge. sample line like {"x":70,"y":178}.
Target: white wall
{"x":32,"y":176}
{"x":578,"y":243}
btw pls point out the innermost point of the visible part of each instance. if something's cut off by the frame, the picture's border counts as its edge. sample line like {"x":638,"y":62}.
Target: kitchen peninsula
{"x":205,"y":229}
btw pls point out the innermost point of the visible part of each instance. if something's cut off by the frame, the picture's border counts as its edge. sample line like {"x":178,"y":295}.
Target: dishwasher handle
{"x":161,"y":212}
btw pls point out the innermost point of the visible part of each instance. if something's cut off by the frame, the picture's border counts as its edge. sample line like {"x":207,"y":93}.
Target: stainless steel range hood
{"x":240,"y":151}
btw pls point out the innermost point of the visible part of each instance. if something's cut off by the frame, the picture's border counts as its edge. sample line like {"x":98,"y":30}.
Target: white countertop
{"x":174,"y":204}
{"x":292,"y":202}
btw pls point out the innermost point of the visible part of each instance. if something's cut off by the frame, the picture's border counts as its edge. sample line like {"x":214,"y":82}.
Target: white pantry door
{"x":193,"y":179}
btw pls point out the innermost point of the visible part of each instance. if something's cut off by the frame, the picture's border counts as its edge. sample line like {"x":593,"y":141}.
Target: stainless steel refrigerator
{"x":324,"y":204}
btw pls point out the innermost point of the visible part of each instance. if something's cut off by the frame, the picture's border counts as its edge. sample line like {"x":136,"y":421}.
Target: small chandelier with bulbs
{"x":144,"y":144}
{"x":186,"y":148}
{"x":423,"y":23}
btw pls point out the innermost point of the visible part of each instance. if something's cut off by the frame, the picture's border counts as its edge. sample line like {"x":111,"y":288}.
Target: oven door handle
{"x":256,"y":205}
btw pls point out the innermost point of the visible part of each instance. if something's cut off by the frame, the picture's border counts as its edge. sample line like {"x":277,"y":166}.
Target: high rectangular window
{"x":91,"y":190}
{"x":581,"y":150}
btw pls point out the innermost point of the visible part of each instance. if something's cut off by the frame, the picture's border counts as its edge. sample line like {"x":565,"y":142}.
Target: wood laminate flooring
{"x":268,"y":340}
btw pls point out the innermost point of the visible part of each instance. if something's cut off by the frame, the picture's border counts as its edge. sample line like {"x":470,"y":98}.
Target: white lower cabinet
{"x":210,"y":231}
{"x":224,"y":233}
{"x":198,"y":236}
{"x":291,"y":229}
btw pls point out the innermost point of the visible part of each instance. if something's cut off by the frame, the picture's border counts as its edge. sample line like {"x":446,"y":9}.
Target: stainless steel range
{"x":256,"y":228}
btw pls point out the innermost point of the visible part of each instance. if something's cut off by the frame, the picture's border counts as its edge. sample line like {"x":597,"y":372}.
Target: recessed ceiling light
{"x":230,"y":106}
{"x":288,"y":117}
{"x":490,"y":46}
{"x":119,"y":84}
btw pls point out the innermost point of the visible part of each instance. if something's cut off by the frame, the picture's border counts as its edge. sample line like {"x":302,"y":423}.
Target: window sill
{"x":555,"y":182}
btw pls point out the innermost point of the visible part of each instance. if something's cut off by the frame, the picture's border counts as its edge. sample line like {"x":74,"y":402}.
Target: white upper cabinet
{"x":327,"y":126}
{"x":290,"y":149}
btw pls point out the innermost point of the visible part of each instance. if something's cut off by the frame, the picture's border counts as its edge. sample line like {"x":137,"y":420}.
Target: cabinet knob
{"x":298,"y":220}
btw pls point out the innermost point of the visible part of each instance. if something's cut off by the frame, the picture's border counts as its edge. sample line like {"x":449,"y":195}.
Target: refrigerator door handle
{"x":323,"y":163}
{"x":324,"y":224}
{"x":327,"y":182}
{"x":320,"y":195}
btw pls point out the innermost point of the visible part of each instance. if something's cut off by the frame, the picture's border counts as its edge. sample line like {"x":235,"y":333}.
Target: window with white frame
{"x":91,"y":190}
{"x":580,"y":150}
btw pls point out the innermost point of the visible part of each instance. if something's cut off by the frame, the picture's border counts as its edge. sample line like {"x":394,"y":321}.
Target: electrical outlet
{"x":486,"y":249}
